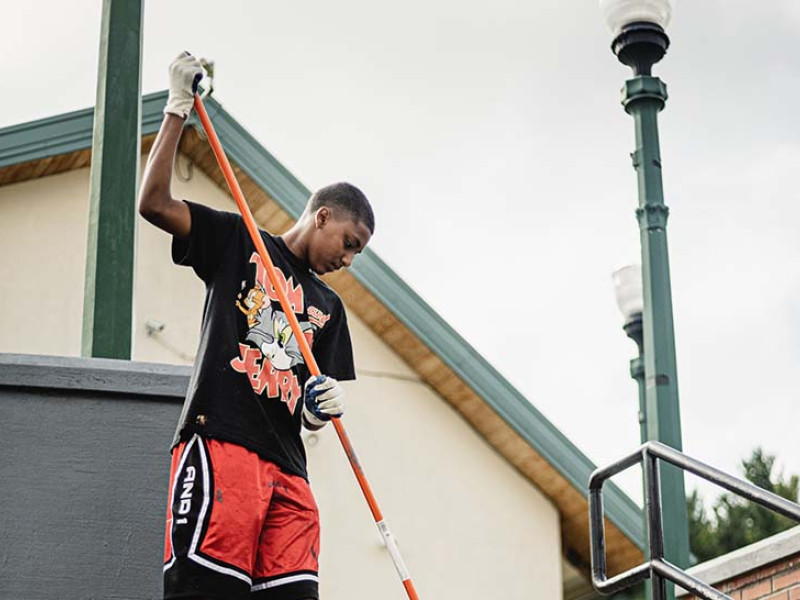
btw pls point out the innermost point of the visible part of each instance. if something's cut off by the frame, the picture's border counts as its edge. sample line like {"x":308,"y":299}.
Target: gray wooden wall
{"x":84,"y":462}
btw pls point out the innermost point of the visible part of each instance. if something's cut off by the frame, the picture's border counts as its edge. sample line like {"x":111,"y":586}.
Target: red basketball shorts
{"x":238,"y":526}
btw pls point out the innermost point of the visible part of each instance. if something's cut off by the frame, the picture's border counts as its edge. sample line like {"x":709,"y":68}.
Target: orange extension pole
{"x":311,"y":363}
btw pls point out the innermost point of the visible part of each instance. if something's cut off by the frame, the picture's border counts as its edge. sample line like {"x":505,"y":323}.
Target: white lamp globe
{"x":628,"y":290}
{"x":619,"y":13}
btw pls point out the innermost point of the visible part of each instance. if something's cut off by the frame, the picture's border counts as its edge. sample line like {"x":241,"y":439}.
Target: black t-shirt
{"x":248,"y":355}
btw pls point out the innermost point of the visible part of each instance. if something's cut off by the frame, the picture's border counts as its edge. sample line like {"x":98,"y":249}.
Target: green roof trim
{"x":73,"y":131}
{"x":65,"y":133}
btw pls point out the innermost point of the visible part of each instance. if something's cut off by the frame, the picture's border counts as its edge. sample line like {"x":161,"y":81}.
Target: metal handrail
{"x":656,"y":568}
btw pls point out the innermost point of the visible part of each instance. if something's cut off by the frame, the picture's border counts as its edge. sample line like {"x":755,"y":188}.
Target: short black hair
{"x":348,"y":198}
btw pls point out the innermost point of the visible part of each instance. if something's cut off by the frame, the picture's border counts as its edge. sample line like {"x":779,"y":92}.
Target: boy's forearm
{"x":155,"y":198}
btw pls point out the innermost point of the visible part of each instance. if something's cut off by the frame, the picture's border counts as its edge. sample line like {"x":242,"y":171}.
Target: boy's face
{"x":335,"y":241}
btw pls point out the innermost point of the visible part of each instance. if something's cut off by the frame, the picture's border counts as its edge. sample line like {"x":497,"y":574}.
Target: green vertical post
{"x":644,"y":97}
{"x":116,"y":145}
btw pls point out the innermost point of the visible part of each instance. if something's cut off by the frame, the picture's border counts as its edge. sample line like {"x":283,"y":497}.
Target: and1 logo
{"x":186,"y":494}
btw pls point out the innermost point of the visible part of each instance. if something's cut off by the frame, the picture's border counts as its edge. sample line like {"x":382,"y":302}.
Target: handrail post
{"x":597,"y":533}
{"x":655,"y":529}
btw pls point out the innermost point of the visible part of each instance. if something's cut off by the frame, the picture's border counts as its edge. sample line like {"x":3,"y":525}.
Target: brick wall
{"x":778,"y":581}
{"x":767,"y":570}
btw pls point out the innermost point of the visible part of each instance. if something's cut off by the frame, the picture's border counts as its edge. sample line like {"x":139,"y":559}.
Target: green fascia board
{"x":65,"y":133}
{"x":73,"y":131}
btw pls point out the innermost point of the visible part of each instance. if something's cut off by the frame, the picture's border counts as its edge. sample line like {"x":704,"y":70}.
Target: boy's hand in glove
{"x":323,"y":399}
{"x":185,"y":73}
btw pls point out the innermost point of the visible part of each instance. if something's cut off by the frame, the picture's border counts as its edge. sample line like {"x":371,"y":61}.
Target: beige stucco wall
{"x":43,"y":248}
{"x":42,"y":264}
{"x":469,"y":526}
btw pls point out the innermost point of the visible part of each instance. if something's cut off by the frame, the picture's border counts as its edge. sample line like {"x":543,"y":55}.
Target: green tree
{"x":736,"y":522}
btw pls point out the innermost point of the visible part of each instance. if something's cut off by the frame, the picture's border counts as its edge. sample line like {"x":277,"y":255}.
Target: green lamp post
{"x":639,"y":42}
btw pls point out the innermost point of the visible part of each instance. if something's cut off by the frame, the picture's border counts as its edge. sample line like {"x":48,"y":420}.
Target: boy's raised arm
{"x":156,"y":203}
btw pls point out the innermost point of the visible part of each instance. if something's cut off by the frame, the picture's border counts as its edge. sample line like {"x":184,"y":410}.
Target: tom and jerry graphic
{"x":270,"y":349}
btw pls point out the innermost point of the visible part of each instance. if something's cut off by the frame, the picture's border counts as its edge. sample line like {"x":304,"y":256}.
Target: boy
{"x":241,"y":519}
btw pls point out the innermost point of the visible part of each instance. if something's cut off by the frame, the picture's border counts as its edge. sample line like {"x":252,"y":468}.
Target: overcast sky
{"x":490,"y":139}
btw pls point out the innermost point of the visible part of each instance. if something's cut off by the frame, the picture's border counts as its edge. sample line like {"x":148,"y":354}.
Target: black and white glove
{"x":323,"y":399}
{"x":185,"y":74}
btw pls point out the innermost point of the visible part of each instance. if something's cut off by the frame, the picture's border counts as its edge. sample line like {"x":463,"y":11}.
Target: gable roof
{"x":442,"y":358}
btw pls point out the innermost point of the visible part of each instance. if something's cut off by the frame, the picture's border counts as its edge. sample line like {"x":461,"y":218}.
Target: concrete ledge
{"x":94,"y":375}
{"x":749,"y":558}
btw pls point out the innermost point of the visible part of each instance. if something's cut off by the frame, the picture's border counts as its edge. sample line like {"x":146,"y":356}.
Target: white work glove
{"x":185,"y":73}
{"x":323,"y":399}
